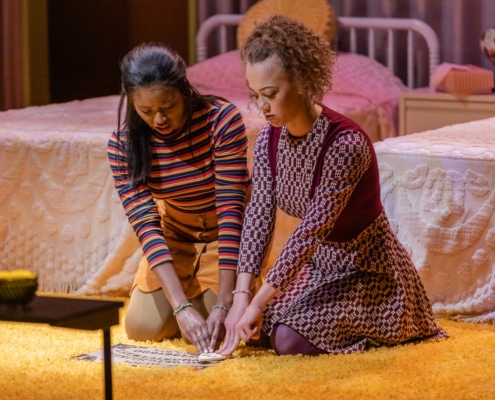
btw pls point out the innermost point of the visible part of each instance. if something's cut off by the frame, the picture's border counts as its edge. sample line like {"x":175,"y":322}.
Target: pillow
{"x":352,"y":74}
{"x":215,"y":75}
{"x":361,"y":75}
{"x":317,"y":15}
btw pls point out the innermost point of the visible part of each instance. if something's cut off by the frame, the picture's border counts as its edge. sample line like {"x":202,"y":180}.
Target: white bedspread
{"x":59,"y":213}
{"x":438,"y":191}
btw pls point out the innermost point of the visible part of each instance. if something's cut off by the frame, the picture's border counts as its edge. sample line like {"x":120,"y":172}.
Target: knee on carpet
{"x":287,"y":341}
{"x":141,"y":329}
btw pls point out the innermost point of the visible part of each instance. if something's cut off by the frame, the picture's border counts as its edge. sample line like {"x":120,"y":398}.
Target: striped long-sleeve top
{"x":194,"y":172}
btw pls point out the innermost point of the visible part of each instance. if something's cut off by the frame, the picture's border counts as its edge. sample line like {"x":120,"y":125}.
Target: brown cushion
{"x":317,"y":15}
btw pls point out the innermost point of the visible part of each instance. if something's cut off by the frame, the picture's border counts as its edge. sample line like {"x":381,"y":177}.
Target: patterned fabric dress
{"x":346,"y":283}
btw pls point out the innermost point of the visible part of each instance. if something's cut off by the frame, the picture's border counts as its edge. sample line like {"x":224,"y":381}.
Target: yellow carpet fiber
{"x":34,"y":364}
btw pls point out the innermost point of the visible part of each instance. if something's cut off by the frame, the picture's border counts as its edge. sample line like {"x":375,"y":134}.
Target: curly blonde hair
{"x":307,"y":59}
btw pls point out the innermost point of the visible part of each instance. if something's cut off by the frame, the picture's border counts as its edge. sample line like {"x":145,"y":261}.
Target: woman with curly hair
{"x":179,"y":165}
{"x":343,"y":282}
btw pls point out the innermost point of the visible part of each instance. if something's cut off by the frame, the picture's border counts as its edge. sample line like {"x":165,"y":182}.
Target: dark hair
{"x":307,"y":59}
{"x":146,"y":65}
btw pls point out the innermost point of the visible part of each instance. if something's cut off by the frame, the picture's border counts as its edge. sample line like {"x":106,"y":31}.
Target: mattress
{"x":438,"y":192}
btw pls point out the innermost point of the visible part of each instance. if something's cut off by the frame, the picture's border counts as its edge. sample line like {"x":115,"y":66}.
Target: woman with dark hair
{"x":179,"y":164}
{"x":343,"y":282}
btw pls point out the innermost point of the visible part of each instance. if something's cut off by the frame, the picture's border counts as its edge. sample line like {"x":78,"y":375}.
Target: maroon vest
{"x":365,"y":204}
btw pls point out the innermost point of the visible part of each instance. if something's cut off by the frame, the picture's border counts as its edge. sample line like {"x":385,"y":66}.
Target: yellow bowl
{"x":17,"y":286}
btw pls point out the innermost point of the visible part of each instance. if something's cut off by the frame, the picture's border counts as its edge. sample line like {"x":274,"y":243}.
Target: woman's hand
{"x":216,"y":327}
{"x":219,"y":312}
{"x":246,"y":317}
{"x":249,"y":325}
{"x":235,"y":314}
{"x":194,"y":328}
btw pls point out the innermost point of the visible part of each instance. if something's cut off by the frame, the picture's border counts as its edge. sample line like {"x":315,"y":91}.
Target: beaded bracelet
{"x":241,"y":291}
{"x":181,"y":307}
{"x":221,"y":308}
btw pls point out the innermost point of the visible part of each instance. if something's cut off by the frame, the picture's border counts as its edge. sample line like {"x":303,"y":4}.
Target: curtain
{"x":11,"y":88}
{"x":458,"y":23}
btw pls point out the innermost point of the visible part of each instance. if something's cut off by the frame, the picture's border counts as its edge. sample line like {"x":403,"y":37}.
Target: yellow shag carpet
{"x":35,"y":364}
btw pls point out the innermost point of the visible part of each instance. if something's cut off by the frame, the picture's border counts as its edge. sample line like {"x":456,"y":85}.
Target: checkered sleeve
{"x":260,"y":213}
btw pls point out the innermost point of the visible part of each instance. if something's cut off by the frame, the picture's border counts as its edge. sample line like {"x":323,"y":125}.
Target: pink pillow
{"x":218,"y":74}
{"x":357,"y":74}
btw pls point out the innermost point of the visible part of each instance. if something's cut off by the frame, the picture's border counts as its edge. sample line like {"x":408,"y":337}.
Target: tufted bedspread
{"x":438,"y":188}
{"x":59,"y":213}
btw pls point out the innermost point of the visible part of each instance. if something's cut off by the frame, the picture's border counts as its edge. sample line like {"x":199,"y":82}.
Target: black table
{"x":87,"y":314}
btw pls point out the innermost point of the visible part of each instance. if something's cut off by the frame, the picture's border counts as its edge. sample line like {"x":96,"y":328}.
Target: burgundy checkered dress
{"x":346,"y":282}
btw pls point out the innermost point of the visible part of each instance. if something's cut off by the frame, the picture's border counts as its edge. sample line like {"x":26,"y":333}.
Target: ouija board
{"x":140,"y":355}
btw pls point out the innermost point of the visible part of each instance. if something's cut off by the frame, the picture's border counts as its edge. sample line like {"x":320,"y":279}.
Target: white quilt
{"x":438,"y":188}
{"x":60,"y":215}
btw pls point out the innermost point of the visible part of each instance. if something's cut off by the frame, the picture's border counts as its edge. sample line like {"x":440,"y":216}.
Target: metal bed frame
{"x":372,"y":26}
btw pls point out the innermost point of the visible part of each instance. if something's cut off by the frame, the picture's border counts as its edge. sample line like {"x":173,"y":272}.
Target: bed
{"x":438,"y":189}
{"x":59,"y":214}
